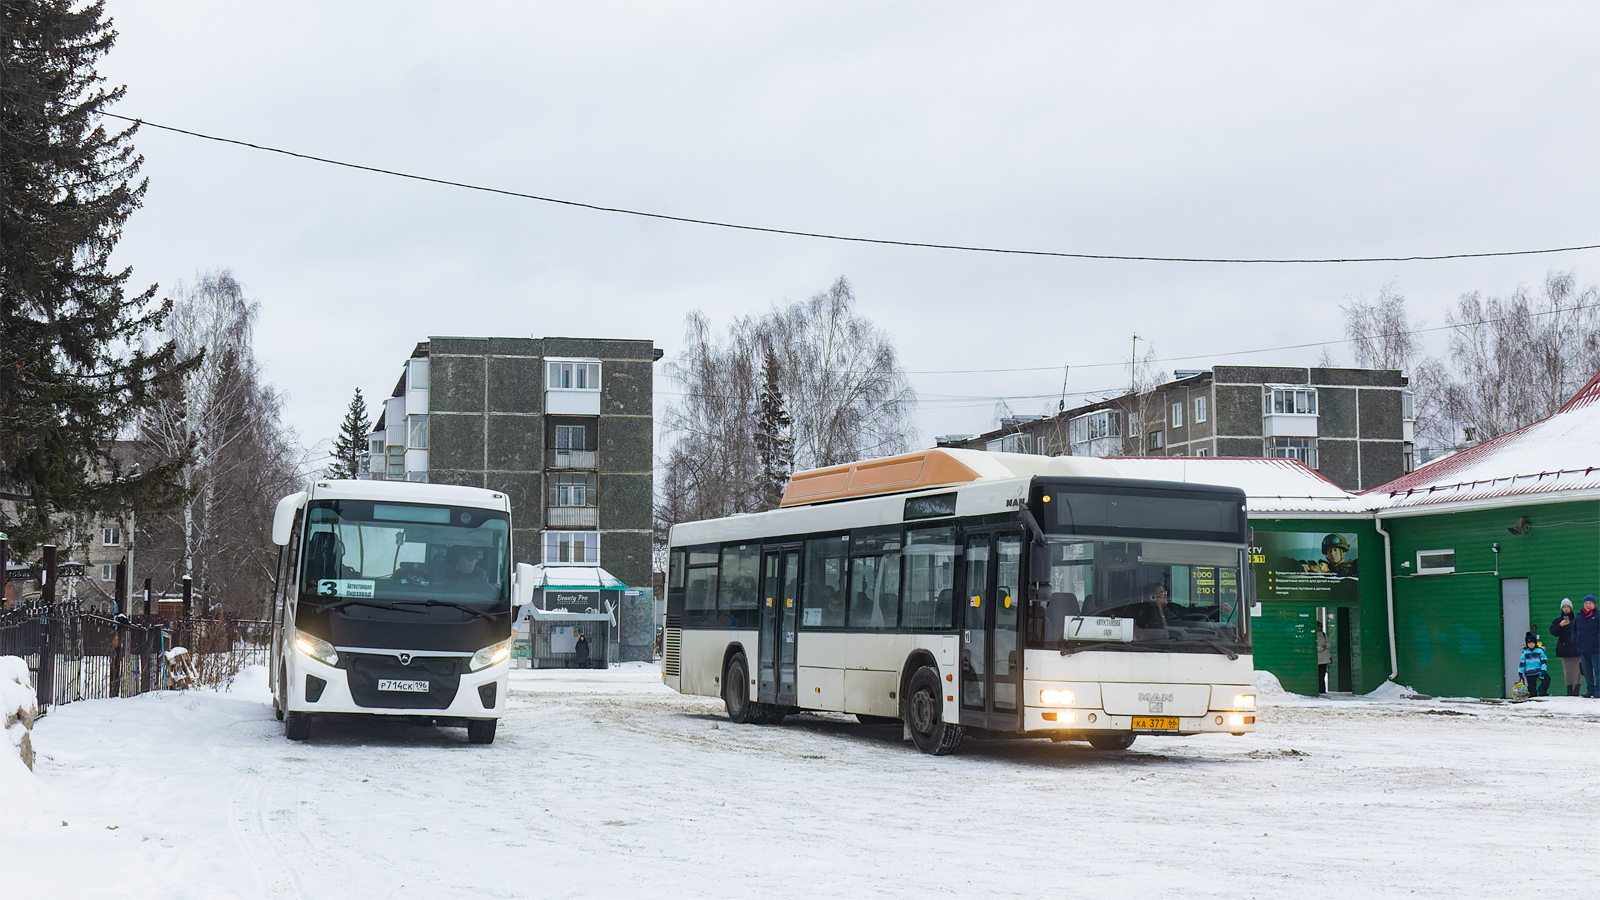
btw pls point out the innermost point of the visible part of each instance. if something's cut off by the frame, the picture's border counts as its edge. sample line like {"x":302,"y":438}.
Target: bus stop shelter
{"x":569,"y":601}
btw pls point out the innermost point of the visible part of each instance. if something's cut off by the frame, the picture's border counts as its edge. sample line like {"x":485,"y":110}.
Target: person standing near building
{"x":1566,"y":650}
{"x":580,"y":653}
{"x":1586,"y":637}
{"x":1534,"y":668}
{"x":1324,"y":654}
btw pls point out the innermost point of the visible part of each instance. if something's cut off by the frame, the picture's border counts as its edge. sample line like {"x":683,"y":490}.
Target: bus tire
{"x":1111,"y":740}
{"x":924,"y":714}
{"x":481,"y":731}
{"x":297,"y":725}
{"x":736,"y":693}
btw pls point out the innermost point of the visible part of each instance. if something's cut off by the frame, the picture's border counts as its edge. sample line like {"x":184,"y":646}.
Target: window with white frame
{"x":574,"y":376}
{"x":1202,"y":451}
{"x":1436,"y":562}
{"x":1200,"y":410}
{"x":1016,"y":443}
{"x":108,"y":571}
{"x":417,"y":374}
{"x":572,"y":548}
{"x":1408,"y":406}
{"x":111,"y":536}
{"x":1408,"y":456}
{"x":1101,"y":423}
{"x":1177,"y":415}
{"x":397,"y":462}
{"x":418,"y":432}
{"x":572,"y":489}
{"x":1156,"y":441}
{"x":1291,"y":401}
{"x":1301,"y":448}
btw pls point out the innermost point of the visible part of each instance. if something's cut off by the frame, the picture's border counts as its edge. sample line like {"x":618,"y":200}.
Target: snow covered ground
{"x":605,"y":784}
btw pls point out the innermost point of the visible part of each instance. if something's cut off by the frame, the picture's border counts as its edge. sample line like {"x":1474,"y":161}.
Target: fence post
{"x":117,"y":626}
{"x":186,"y":632}
{"x":144,"y":642}
{"x":5,"y":567}
{"x":47,"y":614}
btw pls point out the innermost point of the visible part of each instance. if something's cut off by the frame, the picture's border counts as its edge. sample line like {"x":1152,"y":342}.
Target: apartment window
{"x":1301,"y":448}
{"x":418,"y":432}
{"x":572,"y":489}
{"x":417,"y":375}
{"x":1296,"y":401}
{"x":397,"y":462}
{"x":1177,"y":415}
{"x":1408,"y":456}
{"x":1016,"y":443}
{"x":1156,"y":442}
{"x":1408,"y":406}
{"x":1101,"y":423}
{"x":572,"y":547}
{"x":417,"y":476}
{"x":111,"y":536}
{"x":1436,"y":562}
{"x":375,"y":445}
{"x":108,"y":571}
{"x":1199,"y":410}
{"x":574,"y":376}
{"x":1202,"y":451}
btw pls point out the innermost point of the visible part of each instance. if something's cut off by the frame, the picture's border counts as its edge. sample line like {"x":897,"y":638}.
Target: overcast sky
{"x":1160,"y":129}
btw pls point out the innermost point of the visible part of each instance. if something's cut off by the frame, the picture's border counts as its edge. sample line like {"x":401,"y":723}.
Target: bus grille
{"x":672,"y":647}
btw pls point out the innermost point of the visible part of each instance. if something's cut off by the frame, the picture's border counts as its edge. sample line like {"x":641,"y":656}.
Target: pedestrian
{"x":1586,"y":637}
{"x":580,"y":653}
{"x":1324,"y":656}
{"x":1566,"y":648}
{"x":1534,"y":667}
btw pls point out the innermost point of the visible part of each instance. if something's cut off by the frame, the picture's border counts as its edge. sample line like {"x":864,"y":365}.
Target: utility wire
{"x":825,"y":235}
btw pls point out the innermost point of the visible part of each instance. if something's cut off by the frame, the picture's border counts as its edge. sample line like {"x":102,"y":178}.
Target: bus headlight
{"x":1056,"y":698}
{"x":488,"y":656}
{"x":1244,"y":701}
{"x":318,"y":649}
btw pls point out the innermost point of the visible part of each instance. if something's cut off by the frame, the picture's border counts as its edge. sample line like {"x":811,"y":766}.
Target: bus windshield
{"x":1140,"y":595}
{"x":373,"y":553}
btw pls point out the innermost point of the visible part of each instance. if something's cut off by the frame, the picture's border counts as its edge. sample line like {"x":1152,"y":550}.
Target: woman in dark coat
{"x":580,"y":653}
{"x":1586,"y":634}
{"x":1567,"y":648}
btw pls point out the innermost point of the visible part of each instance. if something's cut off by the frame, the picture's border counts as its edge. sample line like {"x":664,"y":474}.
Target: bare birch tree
{"x":240,"y":461}
{"x":838,"y":379}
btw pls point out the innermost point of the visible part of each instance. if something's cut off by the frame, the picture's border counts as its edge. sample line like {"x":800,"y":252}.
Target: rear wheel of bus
{"x":736,"y":693}
{"x":924,"y":714}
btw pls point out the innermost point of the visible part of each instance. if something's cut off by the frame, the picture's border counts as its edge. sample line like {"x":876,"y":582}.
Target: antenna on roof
{"x":1062,"y":406}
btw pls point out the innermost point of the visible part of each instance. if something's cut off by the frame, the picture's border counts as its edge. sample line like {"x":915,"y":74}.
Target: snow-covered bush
{"x":18,"y":708}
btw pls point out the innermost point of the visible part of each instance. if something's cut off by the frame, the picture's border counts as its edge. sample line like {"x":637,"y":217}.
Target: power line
{"x":819,"y":235}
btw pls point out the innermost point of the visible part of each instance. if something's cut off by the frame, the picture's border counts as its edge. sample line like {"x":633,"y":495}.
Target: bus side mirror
{"x":522,"y":585}
{"x":1039,"y":563}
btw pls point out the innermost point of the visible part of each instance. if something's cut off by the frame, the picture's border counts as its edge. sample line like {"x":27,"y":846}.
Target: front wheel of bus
{"x":1111,"y":741}
{"x":924,"y":714}
{"x":297,"y":725}
{"x":481,"y":731}
{"x":736,"y":692}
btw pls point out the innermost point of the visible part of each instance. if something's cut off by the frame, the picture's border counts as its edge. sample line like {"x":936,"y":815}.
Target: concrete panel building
{"x":1354,"y":426}
{"x":563,"y":426}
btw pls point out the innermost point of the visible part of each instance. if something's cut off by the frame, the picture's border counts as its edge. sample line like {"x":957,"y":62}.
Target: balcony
{"x":563,"y":458}
{"x":571,"y":517}
{"x":1289,"y":425}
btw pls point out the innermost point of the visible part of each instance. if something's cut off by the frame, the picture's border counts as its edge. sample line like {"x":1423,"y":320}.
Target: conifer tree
{"x":351,"y":445}
{"x":73,"y":369}
{"x":774,"y":441}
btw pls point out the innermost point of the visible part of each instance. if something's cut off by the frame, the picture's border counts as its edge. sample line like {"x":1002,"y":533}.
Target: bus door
{"x":780,"y":588}
{"x":991,"y":652}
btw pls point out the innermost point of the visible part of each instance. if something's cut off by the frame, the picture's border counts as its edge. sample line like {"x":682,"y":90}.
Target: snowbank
{"x":18,"y":709}
{"x":1390,"y":690}
{"x":1268,"y":687}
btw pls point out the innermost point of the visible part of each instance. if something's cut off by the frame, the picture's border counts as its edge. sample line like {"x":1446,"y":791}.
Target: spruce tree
{"x":74,"y":371}
{"x":351,"y":445}
{"x":774,"y":442}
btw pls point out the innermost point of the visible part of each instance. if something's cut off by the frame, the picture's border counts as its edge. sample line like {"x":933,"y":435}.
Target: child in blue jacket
{"x":1534,"y":668}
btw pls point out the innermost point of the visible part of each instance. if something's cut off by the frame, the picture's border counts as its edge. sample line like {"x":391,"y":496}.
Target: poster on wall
{"x":1305,"y":565}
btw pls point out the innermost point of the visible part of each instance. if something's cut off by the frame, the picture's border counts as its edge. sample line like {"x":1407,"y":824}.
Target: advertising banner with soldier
{"x":1305,"y":565}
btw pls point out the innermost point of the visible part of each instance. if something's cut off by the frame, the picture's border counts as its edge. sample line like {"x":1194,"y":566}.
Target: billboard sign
{"x":1306,"y":565}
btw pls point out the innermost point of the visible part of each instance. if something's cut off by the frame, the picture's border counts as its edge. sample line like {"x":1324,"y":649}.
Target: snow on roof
{"x":1557,"y":454}
{"x":1270,"y":485}
{"x":575,"y":577}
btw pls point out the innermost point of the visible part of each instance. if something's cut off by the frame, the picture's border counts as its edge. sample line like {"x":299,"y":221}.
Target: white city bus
{"x":958,"y":590}
{"x":393,"y":599}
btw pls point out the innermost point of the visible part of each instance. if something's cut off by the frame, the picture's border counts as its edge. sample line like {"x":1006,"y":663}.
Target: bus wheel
{"x":924,"y":713}
{"x":481,"y":731}
{"x":1111,"y":741}
{"x":736,"y":692}
{"x":297,"y":725}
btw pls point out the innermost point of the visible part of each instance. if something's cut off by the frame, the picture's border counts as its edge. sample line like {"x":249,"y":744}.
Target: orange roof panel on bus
{"x":890,"y":474}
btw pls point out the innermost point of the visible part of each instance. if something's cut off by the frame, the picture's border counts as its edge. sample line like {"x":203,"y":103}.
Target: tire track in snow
{"x":248,"y":816}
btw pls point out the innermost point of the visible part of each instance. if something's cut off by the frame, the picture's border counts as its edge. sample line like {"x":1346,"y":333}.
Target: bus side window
{"x":875,"y":587}
{"x":700,"y":589}
{"x":737,"y":580}
{"x":928,"y":599}
{"x":822,"y":598}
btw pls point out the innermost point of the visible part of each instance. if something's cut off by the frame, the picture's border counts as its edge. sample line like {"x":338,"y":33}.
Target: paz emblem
{"x":405,"y":659}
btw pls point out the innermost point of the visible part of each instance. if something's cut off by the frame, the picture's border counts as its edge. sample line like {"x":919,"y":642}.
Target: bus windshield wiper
{"x":450,"y":603}
{"x":352,"y":601}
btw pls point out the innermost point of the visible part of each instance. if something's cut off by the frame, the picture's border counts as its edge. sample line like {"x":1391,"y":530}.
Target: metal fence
{"x":74,"y":655}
